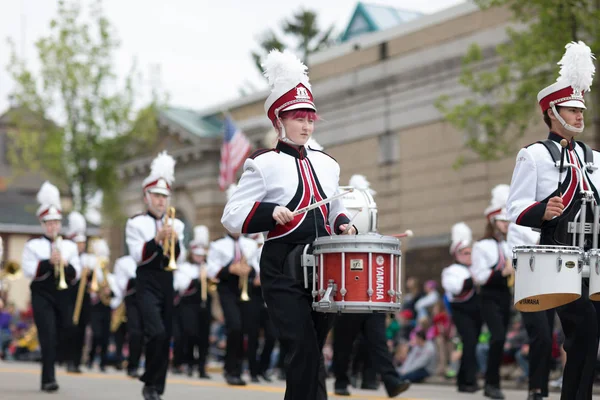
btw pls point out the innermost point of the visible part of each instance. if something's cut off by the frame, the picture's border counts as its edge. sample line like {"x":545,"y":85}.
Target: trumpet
{"x":102,"y":293}
{"x":203,"y":284}
{"x":118,"y":316}
{"x":243,"y":281}
{"x":169,"y":242}
{"x":60,"y":270}
{"x":11,"y":271}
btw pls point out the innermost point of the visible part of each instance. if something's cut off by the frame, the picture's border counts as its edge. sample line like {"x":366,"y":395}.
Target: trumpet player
{"x":147,"y":235}
{"x":125,"y":276}
{"x":232,"y":260}
{"x":195,"y":305}
{"x":50,"y":262}
{"x":102,"y":289}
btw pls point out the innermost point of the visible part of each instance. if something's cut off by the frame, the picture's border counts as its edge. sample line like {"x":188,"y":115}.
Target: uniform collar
{"x":291,"y":150}
{"x":555,"y":137}
{"x":152,"y":215}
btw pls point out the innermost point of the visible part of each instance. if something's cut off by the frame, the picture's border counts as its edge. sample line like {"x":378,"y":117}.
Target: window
{"x":389,"y":151}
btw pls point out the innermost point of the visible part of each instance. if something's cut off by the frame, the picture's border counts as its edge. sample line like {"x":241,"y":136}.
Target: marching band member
{"x":544,"y":198}
{"x":274,"y":183}
{"x":146,"y":234}
{"x":191,"y":281}
{"x":77,"y":233}
{"x":125,"y":276}
{"x":231,"y":260}
{"x":49,"y":262}
{"x":464,"y":304}
{"x":491,"y":267}
{"x":100,"y":299}
{"x":118,"y":320}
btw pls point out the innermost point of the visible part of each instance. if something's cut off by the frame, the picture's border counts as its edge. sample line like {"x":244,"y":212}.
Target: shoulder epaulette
{"x":259,"y":152}
{"x":321,"y":151}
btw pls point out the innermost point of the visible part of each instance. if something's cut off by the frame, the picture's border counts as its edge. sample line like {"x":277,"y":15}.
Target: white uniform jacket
{"x":521,"y":236}
{"x":458,"y":283}
{"x":290,"y":177}
{"x":222,"y":253}
{"x":36,"y":259}
{"x":139,"y":235}
{"x":125,"y":273}
{"x":185,"y":275}
{"x":488,"y":261}
{"x":535,"y":180}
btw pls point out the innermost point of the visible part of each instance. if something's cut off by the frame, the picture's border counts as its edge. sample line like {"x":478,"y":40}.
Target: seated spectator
{"x":421,"y":360}
{"x":424,"y":303}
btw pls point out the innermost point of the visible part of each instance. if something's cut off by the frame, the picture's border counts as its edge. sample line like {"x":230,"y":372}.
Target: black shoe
{"x":341,"y":392}
{"x":254,"y":379}
{"x":266,"y":377}
{"x":468,"y":388}
{"x":400,"y":387}
{"x":281,"y":375}
{"x":369,"y":386}
{"x":190,"y":371}
{"x":535,"y":396}
{"x":493,"y":392}
{"x":73,"y":369}
{"x":132,"y":373}
{"x":102,"y":368}
{"x":203,"y":375}
{"x":150,"y":393}
{"x":50,"y":387}
{"x":234,"y":380}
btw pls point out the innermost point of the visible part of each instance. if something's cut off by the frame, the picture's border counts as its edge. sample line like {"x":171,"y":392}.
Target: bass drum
{"x":361,"y":202}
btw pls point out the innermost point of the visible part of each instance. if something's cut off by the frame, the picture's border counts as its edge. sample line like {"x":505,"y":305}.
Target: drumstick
{"x":320,"y":203}
{"x":407,"y":233}
{"x":352,"y":220}
{"x":564,"y":144}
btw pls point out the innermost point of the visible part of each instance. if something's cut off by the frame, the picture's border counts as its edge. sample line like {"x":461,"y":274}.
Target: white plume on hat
{"x":163,"y":166}
{"x":577,"y":66}
{"x":231,"y":190}
{"x":201,"y":236}
{"x":49,"y":197}
{"x":284,"y":69}
{"x":77,"y":226}
{"x":499,"y":198}
{"x":101,"y":249}
{"x":360,"y":182}
{"x":462,"y":237}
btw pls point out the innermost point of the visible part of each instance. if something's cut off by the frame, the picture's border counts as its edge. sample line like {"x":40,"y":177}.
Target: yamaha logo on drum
{"x":379,"y":260}
{"x":531,"y":302}
{"x":356,"y":265}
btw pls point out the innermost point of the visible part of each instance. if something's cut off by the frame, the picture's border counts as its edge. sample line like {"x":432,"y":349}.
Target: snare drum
{"x":366,"y":220}
{"x":357,"y":274}
{"x":546,"y":276}
{"x":594,"y":257}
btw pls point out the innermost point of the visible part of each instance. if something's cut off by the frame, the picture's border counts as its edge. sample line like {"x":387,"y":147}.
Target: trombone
{"x":60,"y":269}
{"x":169,"y":242}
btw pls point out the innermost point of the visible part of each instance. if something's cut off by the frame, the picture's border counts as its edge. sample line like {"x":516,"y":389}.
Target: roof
{"x":374,"y":17}
{"x":202,"y":126}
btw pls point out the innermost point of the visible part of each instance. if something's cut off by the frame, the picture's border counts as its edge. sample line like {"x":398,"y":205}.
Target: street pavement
{"x":22,"y":381}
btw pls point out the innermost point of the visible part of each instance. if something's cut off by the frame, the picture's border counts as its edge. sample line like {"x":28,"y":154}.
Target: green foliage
{"x":504,"y":98}
{"x":99,"y":127}
{"x":303,"y":29}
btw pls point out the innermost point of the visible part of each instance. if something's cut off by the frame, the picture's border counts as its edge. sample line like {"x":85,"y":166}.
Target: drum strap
{"x":501,"y":259}
{"x":588,"y":155}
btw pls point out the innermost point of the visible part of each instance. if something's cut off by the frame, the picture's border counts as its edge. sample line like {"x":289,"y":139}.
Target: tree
{"x":303,"y":29}
{"x":96,"y":118}
{"x":504,"y":101}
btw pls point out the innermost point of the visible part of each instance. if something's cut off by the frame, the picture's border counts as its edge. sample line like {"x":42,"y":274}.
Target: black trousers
{"x":79,"y":330}
{"x":135,"y":332}
{"x":467,"y":318}
{"x":100,"y":318}
{"x":119,"y":337}
{"x":300,"y":330}
{"x":179,"y":344}
{"x":259,"y":364}
{"x":363,"y":363}
{"x":195,"y":325}
{"x":238,"y":320}
{"x":495,"y":306}
{"x":154,"y":293}
{"x":347,"y":327}
{"x":579,"y":321}
{"x":539,"y":326}
{"x":53,"y":320}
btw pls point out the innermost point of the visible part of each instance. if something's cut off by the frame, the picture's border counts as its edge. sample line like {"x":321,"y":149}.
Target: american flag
{"x":234,"y":150}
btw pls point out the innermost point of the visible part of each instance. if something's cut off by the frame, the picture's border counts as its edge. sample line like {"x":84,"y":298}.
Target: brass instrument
{"x":118,"y":316}
{"x":203,"y":284}
{"x":11,"y":271}
{"x":169,"y":242}
{"x":60,"y":270}
{"x":102,"y":293}
{"x":80,"y":294}
{"x":243,"y":281}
